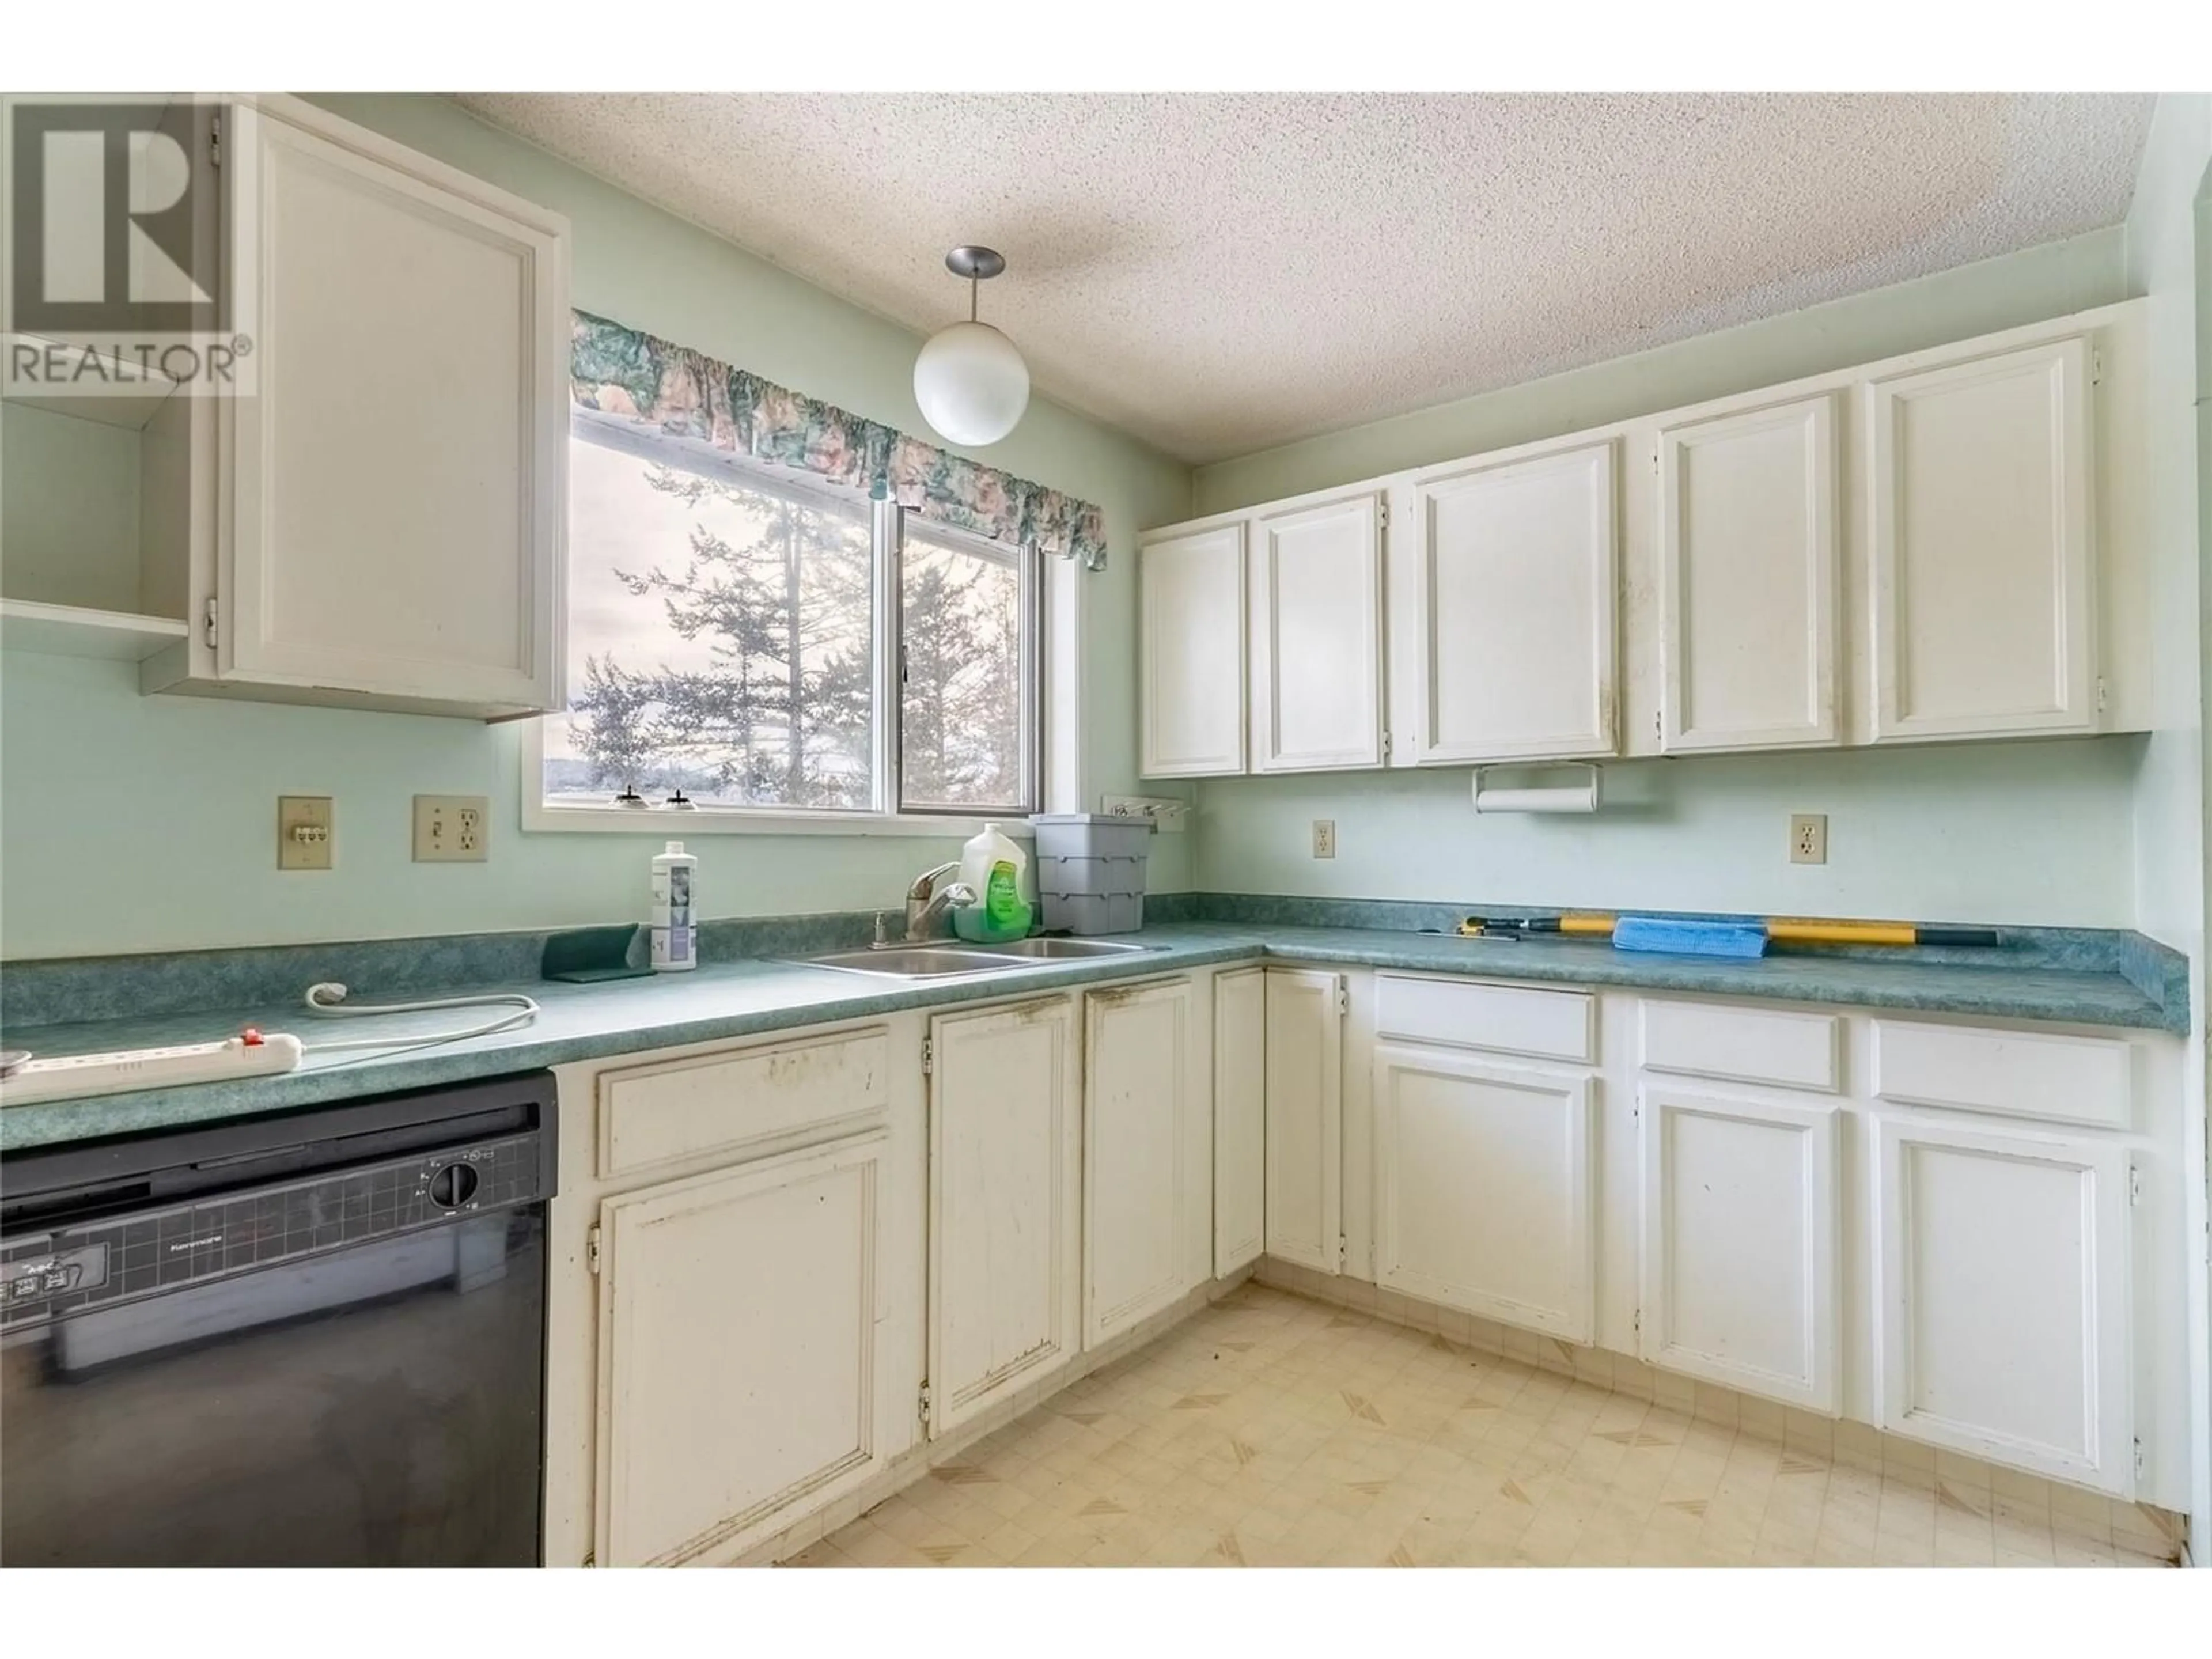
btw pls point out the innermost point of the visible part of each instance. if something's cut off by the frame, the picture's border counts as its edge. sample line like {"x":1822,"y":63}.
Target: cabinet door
{"x":397,"y":489}
{"x":1516,"y":594}
{"x":1483,"y":1199}
{"x":2001,"y":1297}
{"x":1747,"y":579}
{"x":1191,"y":653}
{"x":1304,"y":1074}
{"x":1239,"y":1119}
{"x":1740,"y":1244}
{"x":1983,"y":599}
{"x":1317,"y":638}
{"x":1005,"y":1195}
{"x":1136,"y":1110}
{"x":740,"y":1380}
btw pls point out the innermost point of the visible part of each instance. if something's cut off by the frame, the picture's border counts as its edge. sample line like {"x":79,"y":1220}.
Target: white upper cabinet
{"x":1316,"y":637}
{"x":1942,"y":546}
{"x":1983,"y":601}
{"x":1747,"y":579}
{"x":2002,"y":1290}
{"x":1515,"y":594}
{"x":392,"y":519}
{"x":1191,"y":651}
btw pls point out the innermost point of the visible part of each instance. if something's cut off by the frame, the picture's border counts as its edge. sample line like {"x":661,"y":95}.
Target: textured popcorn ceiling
{"x":1218,"y":273}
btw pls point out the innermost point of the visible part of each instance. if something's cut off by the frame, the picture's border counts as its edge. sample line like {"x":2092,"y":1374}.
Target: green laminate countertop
{"x":746,"y":998}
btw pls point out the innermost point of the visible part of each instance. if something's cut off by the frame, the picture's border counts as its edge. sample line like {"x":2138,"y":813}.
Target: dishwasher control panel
{"x":149,"y":1252}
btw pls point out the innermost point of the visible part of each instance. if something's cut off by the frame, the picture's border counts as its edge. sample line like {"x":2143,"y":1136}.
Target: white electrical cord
{"x":323,"y":999}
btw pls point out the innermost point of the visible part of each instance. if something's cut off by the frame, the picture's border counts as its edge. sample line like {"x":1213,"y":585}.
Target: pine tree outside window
{"x":743,"y":642}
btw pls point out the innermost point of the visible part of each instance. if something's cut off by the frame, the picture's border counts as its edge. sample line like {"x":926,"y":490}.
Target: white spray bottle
{"x":674,"y":935}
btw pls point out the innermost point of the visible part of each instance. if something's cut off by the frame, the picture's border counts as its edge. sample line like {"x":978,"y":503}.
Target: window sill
{"x":539,"y":818}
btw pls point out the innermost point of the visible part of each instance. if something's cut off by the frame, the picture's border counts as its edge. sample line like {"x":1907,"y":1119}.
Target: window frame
{"x":889,"y":815}
{"x":1028,"y":564}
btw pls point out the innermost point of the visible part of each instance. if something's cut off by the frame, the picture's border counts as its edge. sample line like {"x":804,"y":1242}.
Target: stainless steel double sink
{"x":937,"y":961}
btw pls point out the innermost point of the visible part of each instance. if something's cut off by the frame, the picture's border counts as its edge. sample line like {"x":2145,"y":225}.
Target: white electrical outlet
{"x":1808,"y":838}
{"x":453,"y":828}
{"x":1324,"y":837}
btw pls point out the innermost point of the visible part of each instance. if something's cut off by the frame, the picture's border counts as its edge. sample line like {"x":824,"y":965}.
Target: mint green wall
{"x":2020,"y":832}
{"x":1976,"y":299}
{"x":131,"y":823}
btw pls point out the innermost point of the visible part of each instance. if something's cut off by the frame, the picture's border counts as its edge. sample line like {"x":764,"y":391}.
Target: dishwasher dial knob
{"x":453,"y":1185}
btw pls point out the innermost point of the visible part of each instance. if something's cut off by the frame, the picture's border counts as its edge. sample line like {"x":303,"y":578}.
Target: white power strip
{"x":121,"y":1070}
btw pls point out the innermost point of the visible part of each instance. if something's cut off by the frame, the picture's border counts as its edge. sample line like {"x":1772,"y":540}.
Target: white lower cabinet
{"x":1304,"y":1076}
{"x":741,"y":1381}
{"x":1740,"y":1241}
{"x":1483,"y":1196}
{"x":1137,"y":1106}
{"x":2002,"y":1288}
{"x":1239,"y":1119}
{"x":1005,"y":1194}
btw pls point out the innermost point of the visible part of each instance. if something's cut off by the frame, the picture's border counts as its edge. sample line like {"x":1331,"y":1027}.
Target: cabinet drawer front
{"x":2062,"y":1079}
{"x":1505,"y":1020}
{"x":651,"y":1114}
{"x":1749,"y":1045}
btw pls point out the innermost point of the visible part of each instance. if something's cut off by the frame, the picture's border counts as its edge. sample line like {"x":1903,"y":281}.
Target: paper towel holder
{"x":1580,"y":795}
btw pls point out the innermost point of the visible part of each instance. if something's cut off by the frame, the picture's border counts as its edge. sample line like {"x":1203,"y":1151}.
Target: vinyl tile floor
{"x":1272,"y":1430}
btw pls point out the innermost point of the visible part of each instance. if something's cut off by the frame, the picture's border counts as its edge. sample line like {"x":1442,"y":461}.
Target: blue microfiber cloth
{"x":1689,"y":938}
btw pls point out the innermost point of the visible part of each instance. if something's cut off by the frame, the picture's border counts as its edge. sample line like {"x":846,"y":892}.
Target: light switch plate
{"x":1808,"y":838}
{"x":305,"y":834}
{"x":453,"y":828}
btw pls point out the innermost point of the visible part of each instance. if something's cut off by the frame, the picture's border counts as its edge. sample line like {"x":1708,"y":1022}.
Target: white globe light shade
{"x":971,"y":384}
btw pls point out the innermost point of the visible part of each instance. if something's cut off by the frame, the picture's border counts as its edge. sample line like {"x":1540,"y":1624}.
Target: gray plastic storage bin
{"x":1090,"y":871}
{"x":1091,"y":835}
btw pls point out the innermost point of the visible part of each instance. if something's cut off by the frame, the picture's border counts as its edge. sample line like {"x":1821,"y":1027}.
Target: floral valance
{"x":682,"y":393}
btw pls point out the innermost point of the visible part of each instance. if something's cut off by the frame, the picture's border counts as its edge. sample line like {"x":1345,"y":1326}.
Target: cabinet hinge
{"x":2103,"y":693}
{"x":1386,"y":745}
{"x":1383,"y":517}
{"x":922,"y":1402}
{"x":214,"y":139}
{"x":1343,"y":1250}
{"x":1635,"y":1329}
{"x":214,"y":620}
{"x":1343,"y":995}
{"x":928,"y":1055}
{"x":2135,"y":1185}
{"x":591,"y":1249}
{"x":2139,"y":1457}
{"x":2097,"y":367}
{"x":1658,"y":725}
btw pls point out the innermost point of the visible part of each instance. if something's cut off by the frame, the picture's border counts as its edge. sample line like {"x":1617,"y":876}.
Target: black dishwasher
{"x":315,"y":1339}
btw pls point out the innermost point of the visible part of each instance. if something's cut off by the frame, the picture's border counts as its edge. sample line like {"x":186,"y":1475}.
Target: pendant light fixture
{"x":971,"y":384}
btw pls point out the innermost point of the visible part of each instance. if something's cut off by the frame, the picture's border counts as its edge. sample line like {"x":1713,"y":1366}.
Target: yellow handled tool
{"x":1782,"y":931}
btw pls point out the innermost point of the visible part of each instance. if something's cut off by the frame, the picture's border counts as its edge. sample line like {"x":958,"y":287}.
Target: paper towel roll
{"x":1579,"y":796}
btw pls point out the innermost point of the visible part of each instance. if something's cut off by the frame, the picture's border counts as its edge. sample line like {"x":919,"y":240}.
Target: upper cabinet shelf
{"x":378,"y":519}
{"x":1937,"y":547}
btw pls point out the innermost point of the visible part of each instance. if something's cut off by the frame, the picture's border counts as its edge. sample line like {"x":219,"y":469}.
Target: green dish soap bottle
{"x":993,"y":865}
